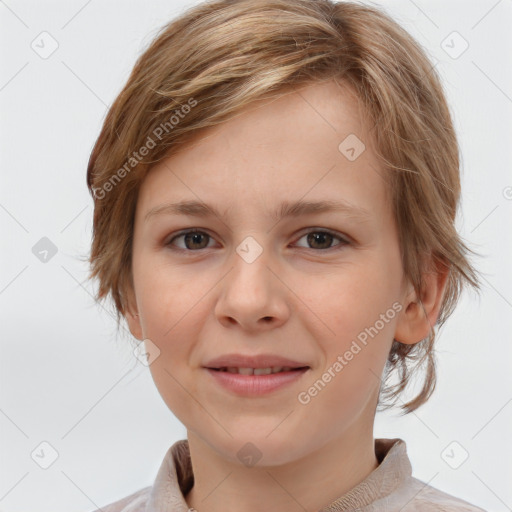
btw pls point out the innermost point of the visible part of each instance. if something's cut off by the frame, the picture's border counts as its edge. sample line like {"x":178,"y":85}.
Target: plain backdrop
{"x":68,"y":380}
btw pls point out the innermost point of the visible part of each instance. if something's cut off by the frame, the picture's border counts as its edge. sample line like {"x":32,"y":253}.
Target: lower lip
{"x":254,"y":385}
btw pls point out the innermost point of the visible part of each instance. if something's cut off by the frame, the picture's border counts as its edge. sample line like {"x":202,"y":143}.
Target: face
{"x":311,"y":286}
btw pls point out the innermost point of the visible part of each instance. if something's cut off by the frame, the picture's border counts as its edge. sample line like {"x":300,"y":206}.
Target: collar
{"x":175,"y":478}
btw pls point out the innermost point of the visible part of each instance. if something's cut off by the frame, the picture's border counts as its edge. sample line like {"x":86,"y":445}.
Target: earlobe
{"x":421,"y":312}
{"x":132,"y":317}
{"x":134,"y":324}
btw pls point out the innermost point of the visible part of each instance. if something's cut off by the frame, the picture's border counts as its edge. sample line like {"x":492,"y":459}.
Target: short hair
{"x":217,"y":57}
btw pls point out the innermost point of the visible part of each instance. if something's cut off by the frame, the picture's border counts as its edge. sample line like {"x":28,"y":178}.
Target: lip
{"x":255,"y":361}
{"x":256,"y":385}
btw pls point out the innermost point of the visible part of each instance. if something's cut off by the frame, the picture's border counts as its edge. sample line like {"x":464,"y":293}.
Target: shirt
{"x":388,"y":488}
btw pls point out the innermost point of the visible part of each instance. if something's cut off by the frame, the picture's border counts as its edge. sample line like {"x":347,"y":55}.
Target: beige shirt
{"x":388,"y":488}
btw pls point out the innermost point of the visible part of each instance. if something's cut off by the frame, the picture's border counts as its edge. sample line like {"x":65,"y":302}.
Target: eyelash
{"x":343,"y":241}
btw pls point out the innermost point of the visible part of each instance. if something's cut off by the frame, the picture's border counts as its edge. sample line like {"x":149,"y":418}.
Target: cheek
{"x":361,"y":318}
{"x":360,"y":309}
{"x":172,"y":314}
{"x":356,"y":297}
{"x":173,"y":325}
{"x":164,"y":295}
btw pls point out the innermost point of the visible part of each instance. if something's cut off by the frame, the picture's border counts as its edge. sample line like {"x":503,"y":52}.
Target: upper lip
{"x":257,"y":361}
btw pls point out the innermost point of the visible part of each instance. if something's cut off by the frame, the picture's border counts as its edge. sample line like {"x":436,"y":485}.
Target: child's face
{"x":303,"y":298}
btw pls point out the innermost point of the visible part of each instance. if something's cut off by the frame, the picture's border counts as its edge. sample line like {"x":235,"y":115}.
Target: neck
{"x":310,"y":483}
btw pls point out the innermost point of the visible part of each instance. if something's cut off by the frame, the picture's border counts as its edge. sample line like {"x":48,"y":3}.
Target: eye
{"x":192,"y":238}
{"x":318,"y":239}
{"x":322,"y":239}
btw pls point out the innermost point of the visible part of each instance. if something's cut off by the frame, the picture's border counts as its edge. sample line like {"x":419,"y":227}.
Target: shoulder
{"x":135,"y":502}
{"x":425,"y":498}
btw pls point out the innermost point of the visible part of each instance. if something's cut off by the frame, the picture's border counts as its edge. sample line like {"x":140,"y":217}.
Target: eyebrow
{"x":286,"y":209}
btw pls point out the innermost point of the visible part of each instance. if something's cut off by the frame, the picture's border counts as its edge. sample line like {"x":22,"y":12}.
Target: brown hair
{"x":216,"y":58}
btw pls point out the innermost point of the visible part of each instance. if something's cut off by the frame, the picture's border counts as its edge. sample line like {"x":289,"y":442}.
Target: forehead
{"x":284,"y":149}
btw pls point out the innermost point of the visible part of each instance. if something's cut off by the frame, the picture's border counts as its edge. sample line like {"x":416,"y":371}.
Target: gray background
{"x":67,"y":380}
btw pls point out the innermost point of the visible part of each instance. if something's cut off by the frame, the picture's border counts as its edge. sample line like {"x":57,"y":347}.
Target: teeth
{"x":262,"y":371}
{"x":256,"y":371}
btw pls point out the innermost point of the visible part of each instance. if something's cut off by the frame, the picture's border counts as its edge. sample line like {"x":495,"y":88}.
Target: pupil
{"x":194,"y":237}
{"x":313,"y":238}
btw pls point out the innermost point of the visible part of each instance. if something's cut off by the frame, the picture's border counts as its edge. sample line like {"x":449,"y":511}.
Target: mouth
{"x":259,"y":371}
{"x":253,"y":382}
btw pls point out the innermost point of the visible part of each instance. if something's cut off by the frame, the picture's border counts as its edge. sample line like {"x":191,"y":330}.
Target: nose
{"x":252,"y":296}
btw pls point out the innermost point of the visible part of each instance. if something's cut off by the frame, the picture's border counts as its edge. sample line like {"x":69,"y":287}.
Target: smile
{"x":257,"y":371}
{"x":256,"y":381}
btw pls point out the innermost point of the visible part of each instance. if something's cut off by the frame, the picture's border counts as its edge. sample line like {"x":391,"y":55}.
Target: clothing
{"x":388,"y":488}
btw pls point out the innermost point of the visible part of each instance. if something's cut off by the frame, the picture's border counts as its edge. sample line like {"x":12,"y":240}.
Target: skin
{"x":301,"y":299}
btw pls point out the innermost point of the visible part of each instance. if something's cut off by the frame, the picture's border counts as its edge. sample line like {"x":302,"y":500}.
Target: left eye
{"x":323,"y":238}
{"x":195,"y":240}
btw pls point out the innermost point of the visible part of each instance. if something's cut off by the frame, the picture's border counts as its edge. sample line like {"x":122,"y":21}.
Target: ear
{"x":132,"y":316}
{"x":421,"y":312}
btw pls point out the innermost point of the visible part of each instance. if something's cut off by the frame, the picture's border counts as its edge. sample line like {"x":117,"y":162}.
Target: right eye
{"x":193,"y":240}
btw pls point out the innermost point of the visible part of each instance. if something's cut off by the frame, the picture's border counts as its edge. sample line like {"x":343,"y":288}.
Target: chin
{"x":260,"y":449}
